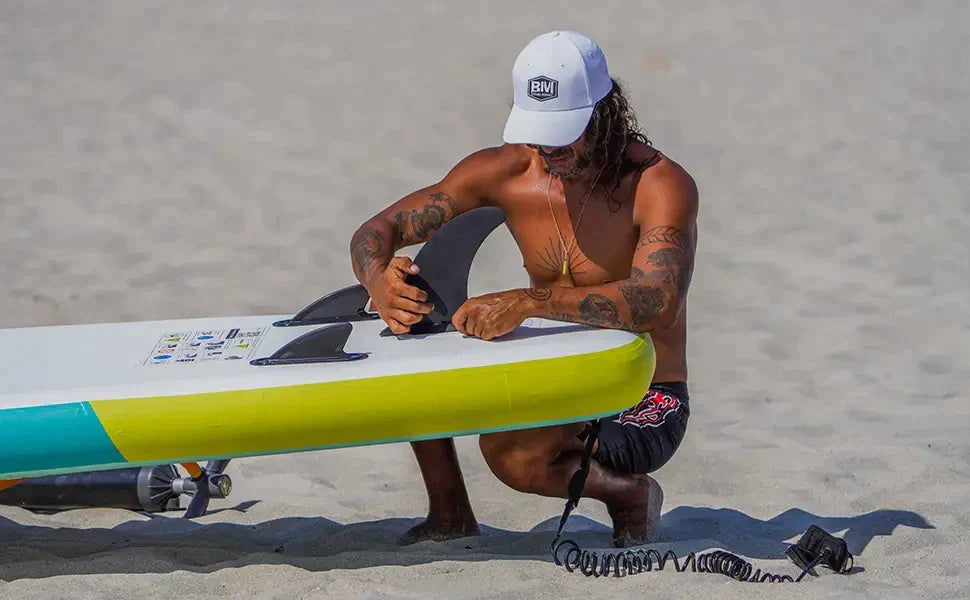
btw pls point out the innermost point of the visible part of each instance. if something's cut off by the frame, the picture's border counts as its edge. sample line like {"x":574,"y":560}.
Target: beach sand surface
{"x":171,"y":160}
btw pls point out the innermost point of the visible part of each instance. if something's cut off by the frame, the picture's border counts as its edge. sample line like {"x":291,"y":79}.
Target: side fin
{"x":344,"y":305}
{"x":323,"y":344}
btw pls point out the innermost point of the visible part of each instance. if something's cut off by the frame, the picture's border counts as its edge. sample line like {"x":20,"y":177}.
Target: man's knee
{"x":512,"y":460}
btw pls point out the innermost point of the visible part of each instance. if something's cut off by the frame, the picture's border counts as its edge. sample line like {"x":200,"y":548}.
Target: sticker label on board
{"x":205,"y":346}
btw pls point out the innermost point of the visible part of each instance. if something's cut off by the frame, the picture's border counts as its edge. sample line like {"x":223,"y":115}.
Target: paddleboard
{"x":89,"y":397}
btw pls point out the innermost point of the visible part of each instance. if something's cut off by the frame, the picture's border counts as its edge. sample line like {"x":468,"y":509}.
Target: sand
{"x":162,"y":160}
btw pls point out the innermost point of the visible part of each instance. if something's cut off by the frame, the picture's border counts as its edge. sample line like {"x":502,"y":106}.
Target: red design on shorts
{"x":651,"y":411}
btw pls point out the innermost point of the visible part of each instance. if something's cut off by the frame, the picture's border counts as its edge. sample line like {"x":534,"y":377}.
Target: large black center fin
{"x":445,"y":262}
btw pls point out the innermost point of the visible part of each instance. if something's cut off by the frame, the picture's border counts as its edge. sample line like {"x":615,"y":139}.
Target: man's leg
{"x":449,"y":510}
{"x":542,"y":461}
{"x":631,"y":444}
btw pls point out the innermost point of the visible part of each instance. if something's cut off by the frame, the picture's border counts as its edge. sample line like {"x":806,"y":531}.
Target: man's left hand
{"x":492,"y":315}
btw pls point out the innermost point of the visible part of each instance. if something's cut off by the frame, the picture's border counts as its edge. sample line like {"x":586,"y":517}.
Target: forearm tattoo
{"x":416,"y":226}
{"x":597,"y":309}
{"x":367,"y":251}
{"x":645,"y":302}
{"x":540,"y":294}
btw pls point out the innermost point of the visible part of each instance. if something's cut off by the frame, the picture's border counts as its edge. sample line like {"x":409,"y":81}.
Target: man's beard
{"x":565,"y":172}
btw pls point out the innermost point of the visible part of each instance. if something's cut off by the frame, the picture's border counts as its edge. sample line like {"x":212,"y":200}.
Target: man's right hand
{"x":399,"y":304}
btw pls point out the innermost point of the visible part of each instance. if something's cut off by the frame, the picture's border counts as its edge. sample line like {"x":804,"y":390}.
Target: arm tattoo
{"x":675,"y":266}
{"x":667,"y":257}
{"x":540,"y":294}
{"x":423,"y":223}
{"x":443,"y":197}
{"x":669,"y":265}
{"x":367,"y":250}
{"x":663,"y":276}
{"x":597,"y":309}
{"x":667,"y":234}
{"x":645,"y":302}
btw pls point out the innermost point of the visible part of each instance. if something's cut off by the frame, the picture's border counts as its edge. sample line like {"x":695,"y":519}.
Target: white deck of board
{"x":51,"y":365}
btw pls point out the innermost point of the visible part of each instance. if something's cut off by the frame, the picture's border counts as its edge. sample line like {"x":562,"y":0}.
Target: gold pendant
{"x":565,"y":266}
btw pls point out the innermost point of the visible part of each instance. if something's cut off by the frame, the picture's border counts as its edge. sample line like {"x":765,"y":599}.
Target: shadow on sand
{"x":165,"y":544}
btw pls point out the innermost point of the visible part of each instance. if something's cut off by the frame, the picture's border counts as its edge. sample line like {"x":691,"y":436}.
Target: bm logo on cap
{"x":543,"y":88}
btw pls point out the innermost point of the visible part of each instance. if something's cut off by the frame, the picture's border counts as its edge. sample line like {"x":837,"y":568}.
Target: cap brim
{"x":546,"y":128}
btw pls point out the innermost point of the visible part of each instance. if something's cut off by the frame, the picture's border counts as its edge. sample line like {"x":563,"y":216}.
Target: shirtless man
{"x":606,"y":227}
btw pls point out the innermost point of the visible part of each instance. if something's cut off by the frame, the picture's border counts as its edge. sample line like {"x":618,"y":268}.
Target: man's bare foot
{"x":440,"y":530}
{"x":637,"y":520}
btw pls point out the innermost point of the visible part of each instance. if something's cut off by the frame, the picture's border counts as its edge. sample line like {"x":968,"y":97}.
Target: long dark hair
{"x":611,"y":129}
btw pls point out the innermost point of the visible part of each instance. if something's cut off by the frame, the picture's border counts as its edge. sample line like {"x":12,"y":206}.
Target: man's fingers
{"x":481,"y":328}
{"x":407,"y":318}
{"x":411,"y":306}
{"x":471,"y":324}
{"x":397,"y":327}
{"x":401,"y":267}
{"x":401,"y":262}
{"x":410,"y":292}
{"x":458,"y":319}
{"x":405,"y":265}
{"x":487,"y":330}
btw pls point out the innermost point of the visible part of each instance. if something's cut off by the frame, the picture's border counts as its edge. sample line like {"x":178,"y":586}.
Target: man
{"x":606,"y":227}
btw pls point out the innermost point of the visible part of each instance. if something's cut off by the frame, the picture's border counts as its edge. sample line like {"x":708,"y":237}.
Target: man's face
{"x":565,"y":161}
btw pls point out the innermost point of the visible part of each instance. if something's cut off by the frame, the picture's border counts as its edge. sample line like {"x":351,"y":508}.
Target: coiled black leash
{"x":816,"y":547}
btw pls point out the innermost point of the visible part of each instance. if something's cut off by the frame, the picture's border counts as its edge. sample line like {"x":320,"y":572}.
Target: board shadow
{"x":687,"y":529}
{"x":164,"y":544}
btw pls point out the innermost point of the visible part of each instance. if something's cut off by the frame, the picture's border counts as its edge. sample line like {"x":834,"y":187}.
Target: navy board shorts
{"x":644,"y":437}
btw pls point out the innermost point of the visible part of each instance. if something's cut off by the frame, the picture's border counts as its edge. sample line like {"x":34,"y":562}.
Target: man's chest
{"x":573,"y":247}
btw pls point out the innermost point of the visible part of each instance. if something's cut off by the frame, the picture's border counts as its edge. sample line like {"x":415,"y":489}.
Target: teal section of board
{"x":53,"y":437}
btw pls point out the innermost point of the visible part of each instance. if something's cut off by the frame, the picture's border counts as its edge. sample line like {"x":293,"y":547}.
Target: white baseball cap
{"x":557,"y":79}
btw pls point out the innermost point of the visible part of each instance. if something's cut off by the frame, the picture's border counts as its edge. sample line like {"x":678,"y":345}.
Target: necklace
{"x":565,"y":254}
